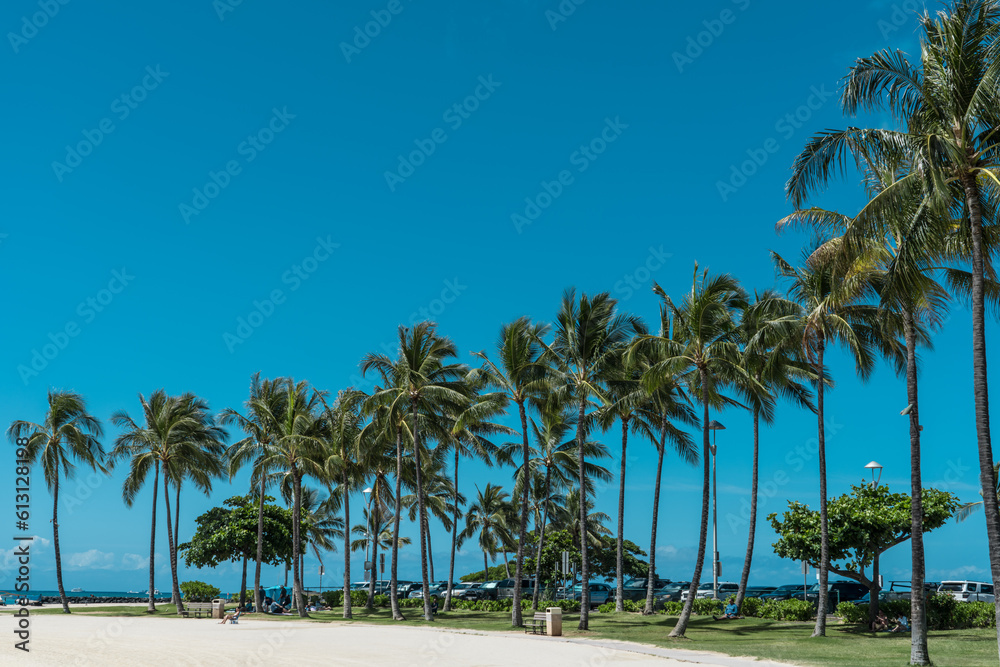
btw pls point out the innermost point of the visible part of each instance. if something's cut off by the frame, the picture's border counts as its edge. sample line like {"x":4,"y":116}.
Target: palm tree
{"x":776,"y":369}
{"x":520,"y":377}
{"x":950,"y":106}
{"x":432,"y":387}
{"x":832,"y":311}
{"x":488,"y":516}
{"x":68,"y":432}
{"x":697,"y":346}
{"x":262,"y":410}
{"x":438,"y":491}
{"x":178,"y":432}
{"x":588,"y":335}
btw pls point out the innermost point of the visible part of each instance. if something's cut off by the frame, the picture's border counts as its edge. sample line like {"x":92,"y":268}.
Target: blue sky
{"x":199,"y":191}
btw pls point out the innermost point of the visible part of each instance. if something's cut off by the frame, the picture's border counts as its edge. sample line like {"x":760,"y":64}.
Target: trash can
{"x":553,"y":621}
{"x":218,"y":608}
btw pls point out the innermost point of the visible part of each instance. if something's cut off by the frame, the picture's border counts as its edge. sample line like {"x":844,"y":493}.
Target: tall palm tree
{"x":68,"y":432}
{"x":298,"y":449}
{"x":431,"y":386}
{"x":697,"y":346}
{"x":949,"y":105}
{"x":520,"y":377}
{"x":589,"y":333}
{"x":177,"y":431}
{"x":440,"y":497}
{"x":488,"y":516}
{"x":832,"y":311}
{"x":777,"y":370}
{"x":262,"y":410}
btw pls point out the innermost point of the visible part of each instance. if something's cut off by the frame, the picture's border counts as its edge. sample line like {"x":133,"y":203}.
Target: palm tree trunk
{"x":506,"y":564}
{"x":824,"y":529}
{"x":177,"y":519}
{"x":175,"y":591}
{"x":258,"y":597}
{"x":619,"y":554}
{"x":296,"y":542}
{"x":987,"y":478}
{"x":685,"y":616}
{"x":919,"y":654}
{"x":393,"y":594}
{"x":541,"y":540}
{"x":421,"y":522}
{"x":745,"y":577}
{"x":454,"y":540}
{"x":522,"y":534}
{"x":430,"y":551}
{"x":584,"y":564}
{"x":243,"y":584}
{"x":486,"y":568}
{"x":55,"y":543}
{"x":152,"y":542}
{"x":347,"y":545}
{"x":651,"y":573}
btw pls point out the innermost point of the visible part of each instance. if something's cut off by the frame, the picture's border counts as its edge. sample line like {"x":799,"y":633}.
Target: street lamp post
{"x":369,"y":566}
{"x":873,"y":466}
{"x":715,"y":426}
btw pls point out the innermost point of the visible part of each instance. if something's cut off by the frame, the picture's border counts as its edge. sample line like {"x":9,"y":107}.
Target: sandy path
{"x":81,"y":640}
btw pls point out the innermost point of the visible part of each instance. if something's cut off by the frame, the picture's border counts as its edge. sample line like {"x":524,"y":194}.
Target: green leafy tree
{"x":863,"y":525}
{"x":68,"y":432}
{"x":199,"y":591}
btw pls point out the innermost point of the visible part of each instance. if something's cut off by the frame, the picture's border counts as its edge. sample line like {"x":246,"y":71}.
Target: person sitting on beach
{"x":230,"y":616}
{"x":284,"y":600}
{"x":881,"y":623}
{"x":276,"y":608}
{"x":732,"y":611}
{"x":902,"y":625}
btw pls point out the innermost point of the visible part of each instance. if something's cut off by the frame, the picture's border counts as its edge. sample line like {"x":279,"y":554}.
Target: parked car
{"x":968,"y":591}
{"x":783,"y":592}
{"x":505,"y":587}
{"x":757,"y":591}
{"x":436,"y":588}
{"x":863,"y":601}
{"x":838,"y":591}
{"x":725,"y":589}
{"x":635,"y":589}
{"x":466,"y":590}
{"x":672,"y":591}
{"x":404,"y":588}
{"x":599,"y":593}
{"x":488,"y":591}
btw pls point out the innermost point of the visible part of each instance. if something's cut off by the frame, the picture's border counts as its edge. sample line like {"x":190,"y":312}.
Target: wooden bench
{"x":197,"y":608}
{"x":536,"y":624}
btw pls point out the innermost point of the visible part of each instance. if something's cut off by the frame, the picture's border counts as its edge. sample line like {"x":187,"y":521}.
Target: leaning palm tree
{"x":262,"y":410}
{"x":589,"y":333}
{"x":520,"y":377}
{"x":949,"y":105}
{"x":68,"y":432}
{"x":176,"y":430}
{"x":697,"y":346}
{"x":777,"y":370}
{"x":833,"y":310}
{"x":488,"y":516}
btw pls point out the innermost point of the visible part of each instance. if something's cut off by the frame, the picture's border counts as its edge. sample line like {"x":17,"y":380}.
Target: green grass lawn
{"x":774,"y":640}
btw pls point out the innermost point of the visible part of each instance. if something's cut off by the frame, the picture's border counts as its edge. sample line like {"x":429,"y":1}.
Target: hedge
{"x":944,"y":612}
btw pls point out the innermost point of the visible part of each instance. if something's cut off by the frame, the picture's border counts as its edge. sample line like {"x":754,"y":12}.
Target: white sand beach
{"x":81,"y":640}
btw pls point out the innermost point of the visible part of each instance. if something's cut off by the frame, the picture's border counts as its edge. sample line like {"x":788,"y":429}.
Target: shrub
{"x":381,"y":600}
{"x":706,"y":607}
{"x":852,"y":614}
{"x":606,"y":608}
{"x":673,"y":608}
{"x":751,"y":606}
{"x":198,"y":591}
{"x":332,"y":598}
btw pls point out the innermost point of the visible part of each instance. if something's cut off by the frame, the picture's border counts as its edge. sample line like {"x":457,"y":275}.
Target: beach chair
{"x":236,"y":617}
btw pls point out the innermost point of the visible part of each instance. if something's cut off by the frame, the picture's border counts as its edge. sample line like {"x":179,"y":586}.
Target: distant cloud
{"x":667,"y":551}
{"x":962,"y":572}
{"x":90,"y":560}
{"x":134,"y":562}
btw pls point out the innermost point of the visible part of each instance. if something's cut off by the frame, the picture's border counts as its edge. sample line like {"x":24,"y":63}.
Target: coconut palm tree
{"x":589,"y":333}
{"x":431,"y":386}
{"x":262,"y":410}
{"x":833,"y":311}
{"x":520,"y":376}
{"x":488,"y":515}
{"x":697,"y":346}
{"x":777,"y":369}
{"x":67,"y":433}
{"x":949,"y":105}
{"x":178,"y":432}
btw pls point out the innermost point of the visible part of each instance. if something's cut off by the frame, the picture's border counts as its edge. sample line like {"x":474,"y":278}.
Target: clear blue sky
{"x":170,"y":166}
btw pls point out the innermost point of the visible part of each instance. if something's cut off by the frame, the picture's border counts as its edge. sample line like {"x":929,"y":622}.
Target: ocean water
{"x":9,"y":596}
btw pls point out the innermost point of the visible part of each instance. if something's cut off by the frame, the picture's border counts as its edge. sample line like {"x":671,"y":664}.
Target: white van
{"x":968,"y":591}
